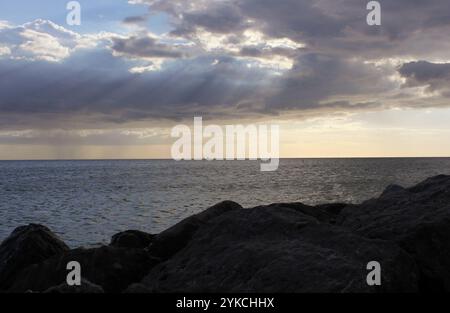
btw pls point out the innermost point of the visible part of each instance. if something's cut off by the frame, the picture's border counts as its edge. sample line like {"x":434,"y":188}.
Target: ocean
{"x":86,"y":202}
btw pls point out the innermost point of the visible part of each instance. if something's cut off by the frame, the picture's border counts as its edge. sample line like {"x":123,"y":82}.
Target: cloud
{"x":62,"y":137}
{"x":226,"y":59}
{"x":103,"y":91}
{"x":219,"y":17}
{"x":319,"y":81}
{"x":144,"y":47}
{"x":4,"y":50}
{"x":42,"y":40}
{"x":435,"y":76}
{"x":323,"y":25}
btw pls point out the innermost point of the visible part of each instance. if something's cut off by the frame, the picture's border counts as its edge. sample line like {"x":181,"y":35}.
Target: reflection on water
{"x":88,"y":201}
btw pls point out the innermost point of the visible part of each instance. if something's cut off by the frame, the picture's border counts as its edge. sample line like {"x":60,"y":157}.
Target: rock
{"x":285,"y":247}
{"x":112,"y":268}
{"x":417,"y":219}
{"x":325,"y":213}
{"x":280,"y":249}
{"x":27,"y":245}
{"x":392,"y":190}
{"x":137,"y":288}
{"x":332,"y":208}
{"x":132,"y":239}
{"x":86,"y":287}
{"x":172,"y":240}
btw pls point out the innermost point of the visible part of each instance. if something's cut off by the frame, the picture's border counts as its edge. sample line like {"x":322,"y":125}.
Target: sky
{"x":114,"y":86}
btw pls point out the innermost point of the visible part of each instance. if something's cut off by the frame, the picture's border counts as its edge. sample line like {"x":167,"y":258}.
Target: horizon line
{"x":281,"y":158}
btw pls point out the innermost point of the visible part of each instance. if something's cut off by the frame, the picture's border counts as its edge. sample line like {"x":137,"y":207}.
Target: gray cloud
{"x":146,"y":47}
{"x":104,"y":91}
{"x":220,"y":18}
{"x":223,"y":66}
{"x":112,"y":137}
{"x":266,"y":52}
{"x":325,"y":25}
{"x":315,"y":78}
{"x":436,"y":76}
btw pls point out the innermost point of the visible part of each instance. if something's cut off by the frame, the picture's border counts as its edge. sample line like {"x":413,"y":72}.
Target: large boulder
{"x":25,"y":246}
{"x":109,"y":267}
{"x":417,"y":219}
{"x":132,"y":239}
{"x":280,"y":249}
{"x":172,"y":240}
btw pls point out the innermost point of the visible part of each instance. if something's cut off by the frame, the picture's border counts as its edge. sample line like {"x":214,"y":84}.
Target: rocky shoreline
{"x":288,"y":247}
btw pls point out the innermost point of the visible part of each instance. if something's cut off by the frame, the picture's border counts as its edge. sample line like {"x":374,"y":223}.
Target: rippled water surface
{"x":86,"y":202}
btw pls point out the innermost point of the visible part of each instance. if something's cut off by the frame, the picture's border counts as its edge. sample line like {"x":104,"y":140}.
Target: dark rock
{"x":326,"y":213}
{"x":286,"y":247}
{"x":280,"y":249}
{"x":317,"y":213}
{"x":27,"y":245}
{"x":417,"y":219}
{"x":392,"y":190}
{"x":86,"y":287}
{"x":132,"y":239}
{"x":431,"y":185}
{"x":172,"y":240}
{"x":333,"y":208}
{"x":109,"y":267}
{"x":137,"y":289}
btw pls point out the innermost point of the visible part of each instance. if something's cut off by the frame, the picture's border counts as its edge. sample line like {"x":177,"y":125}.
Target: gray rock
{"x":417,"y":219}
{"x":27,"y":245}
{"x":279,"y":249}
{"x":132,"y":239}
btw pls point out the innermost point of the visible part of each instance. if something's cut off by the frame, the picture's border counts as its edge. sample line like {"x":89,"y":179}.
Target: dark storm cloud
{"x":425,"y":72}
{"x":325,"y":25}
{"x":333,"y":69}
{"x":436,"y":76}
{"x":291,"y":18}
{"x":104,"y":91}
{"x":318,"y":77}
